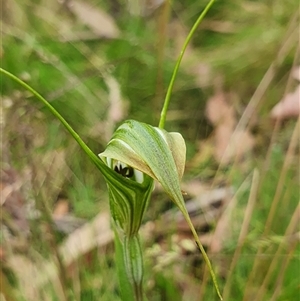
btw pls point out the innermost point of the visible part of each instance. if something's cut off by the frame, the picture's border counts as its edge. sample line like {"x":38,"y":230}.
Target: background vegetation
{"x":101,"y":62}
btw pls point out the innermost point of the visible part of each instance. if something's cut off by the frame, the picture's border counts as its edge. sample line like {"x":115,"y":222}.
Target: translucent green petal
{"x":154,"y":151}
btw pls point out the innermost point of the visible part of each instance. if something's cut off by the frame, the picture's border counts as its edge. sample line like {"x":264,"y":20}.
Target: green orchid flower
{"x":138,"y":152}
{"x":146,"y":151}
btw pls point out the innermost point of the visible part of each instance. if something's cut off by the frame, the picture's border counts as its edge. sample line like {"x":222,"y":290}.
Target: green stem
{"x":204,"y":254}
{"x":133,"y":260}
{"x":125,"y":285}
{"x":162,"y":125}
{"x":163,"y":114}
{"x":86,"y":149}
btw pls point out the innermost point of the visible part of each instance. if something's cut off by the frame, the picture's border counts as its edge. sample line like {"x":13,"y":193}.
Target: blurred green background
{"x":102,"y":62}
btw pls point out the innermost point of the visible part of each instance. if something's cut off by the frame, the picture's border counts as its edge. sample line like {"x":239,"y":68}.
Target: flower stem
{"x":204,"y":254}
{"x":163,"y":114}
